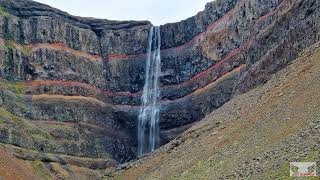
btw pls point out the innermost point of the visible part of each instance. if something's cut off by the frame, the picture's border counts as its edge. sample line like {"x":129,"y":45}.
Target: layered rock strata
{"x":61,"y":68}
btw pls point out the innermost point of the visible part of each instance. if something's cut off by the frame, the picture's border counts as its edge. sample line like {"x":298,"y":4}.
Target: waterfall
{"x":148,"y":125}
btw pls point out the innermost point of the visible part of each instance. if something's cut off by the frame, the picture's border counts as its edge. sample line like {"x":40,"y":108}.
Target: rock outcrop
{"x":86,"y":75}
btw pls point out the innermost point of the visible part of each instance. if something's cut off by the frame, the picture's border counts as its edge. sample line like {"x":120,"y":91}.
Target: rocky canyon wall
{"x":84,"y":76}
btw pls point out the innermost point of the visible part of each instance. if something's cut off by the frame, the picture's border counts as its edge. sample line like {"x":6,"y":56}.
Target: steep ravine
{"x":77,"y":82}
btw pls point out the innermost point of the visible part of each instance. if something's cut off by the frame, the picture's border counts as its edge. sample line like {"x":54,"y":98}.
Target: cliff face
{"x":79,"y":80}
{"x":60,"y":64}
{"x":253,"y":136}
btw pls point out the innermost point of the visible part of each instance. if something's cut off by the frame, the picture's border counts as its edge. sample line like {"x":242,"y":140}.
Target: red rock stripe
{"x":263,"y":18}
{"x":55,"y":97}
{"x":38,"y":83}
{"x":207,"y":86}
{"x":210,"y":69}
{"x":58,"y":82}
{"x":224,"y":19}
{"x":109,"y":93}
{"x":64,"y":47}
{"x":200,"y":37}
{"x":132,"y":107}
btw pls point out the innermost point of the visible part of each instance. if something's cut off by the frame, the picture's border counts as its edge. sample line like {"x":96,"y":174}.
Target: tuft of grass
{"x":27,"y":50}
{"x":41,"y":170}
{"x":10,"y":44}
{"x":59,"y":170}
{"x":2,"y":46}
{"x":15,"y":87}
{"x":37,"y":134}
{"x":6,"y":114}
{"x":4,"y":11}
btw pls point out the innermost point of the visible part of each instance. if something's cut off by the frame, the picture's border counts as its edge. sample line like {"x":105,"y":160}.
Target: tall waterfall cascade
{"x":148,"y":121}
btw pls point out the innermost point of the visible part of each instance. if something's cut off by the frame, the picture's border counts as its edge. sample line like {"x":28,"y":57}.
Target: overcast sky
{"x":156,"y":11}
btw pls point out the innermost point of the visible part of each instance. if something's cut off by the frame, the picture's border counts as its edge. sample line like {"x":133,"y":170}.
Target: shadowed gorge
{"x":80,"y":97}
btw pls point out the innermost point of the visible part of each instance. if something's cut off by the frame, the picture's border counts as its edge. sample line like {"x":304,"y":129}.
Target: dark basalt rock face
{"x":176,"y":34}
{"x":37,"y":23}
{"x":90,"y":72}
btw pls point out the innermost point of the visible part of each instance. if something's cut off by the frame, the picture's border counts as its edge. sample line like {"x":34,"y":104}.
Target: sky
{"x":157,"y":11}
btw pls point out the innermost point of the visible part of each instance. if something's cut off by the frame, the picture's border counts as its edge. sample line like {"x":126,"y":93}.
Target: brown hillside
{"x":12,"y":168}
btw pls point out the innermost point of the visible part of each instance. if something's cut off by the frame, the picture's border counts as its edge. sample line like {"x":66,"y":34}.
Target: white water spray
{"x":148,"y":125}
